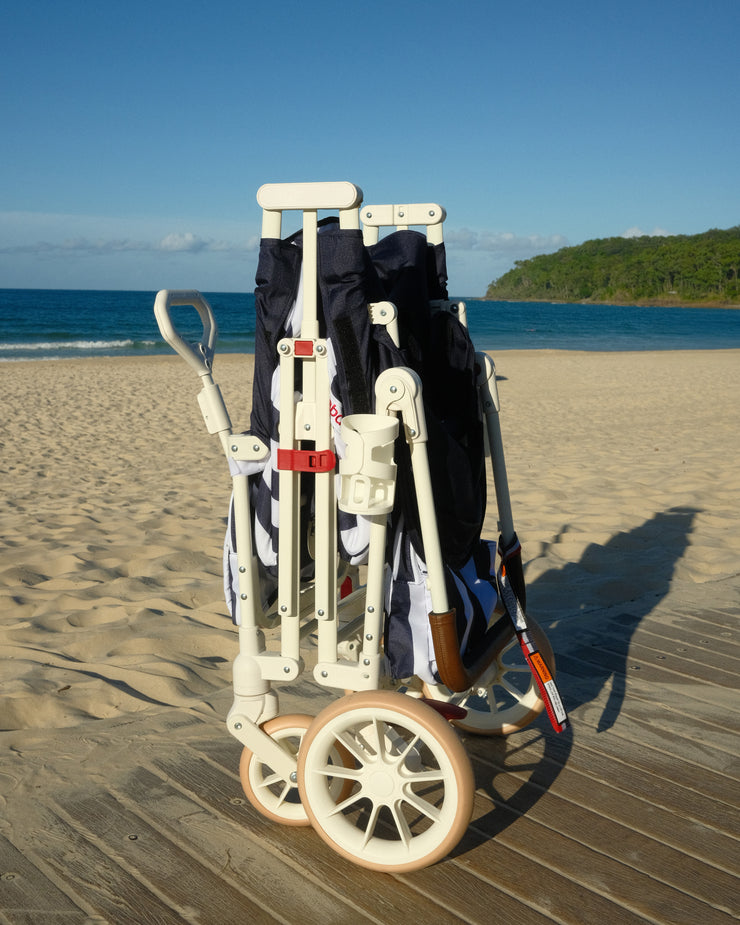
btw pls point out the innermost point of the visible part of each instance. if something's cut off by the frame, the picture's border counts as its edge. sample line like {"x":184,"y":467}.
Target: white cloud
{"x":67,"y":251}
{"x":504,"y":242}
{"x":636,"y":232}
{"x":172,"y":243}
{"x":183,"y":242}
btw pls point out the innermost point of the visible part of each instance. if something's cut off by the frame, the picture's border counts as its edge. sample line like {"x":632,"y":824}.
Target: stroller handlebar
{"x":283,"y":197}
{"x":198,"y":355}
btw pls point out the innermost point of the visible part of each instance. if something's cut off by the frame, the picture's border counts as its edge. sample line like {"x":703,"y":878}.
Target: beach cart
{"x":354,"y":548}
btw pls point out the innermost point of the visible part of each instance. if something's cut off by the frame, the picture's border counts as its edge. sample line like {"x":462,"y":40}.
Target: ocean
{"x":59,"y":323}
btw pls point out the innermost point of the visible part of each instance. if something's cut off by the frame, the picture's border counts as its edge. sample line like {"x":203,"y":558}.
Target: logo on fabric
{"x":336,"y":414}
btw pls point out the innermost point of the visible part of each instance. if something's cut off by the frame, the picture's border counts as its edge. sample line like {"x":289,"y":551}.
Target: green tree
{"x":703,"y":267}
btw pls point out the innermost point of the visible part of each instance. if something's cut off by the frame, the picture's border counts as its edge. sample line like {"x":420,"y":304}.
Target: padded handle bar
{"x":279,"y":197}
{"x":198,"y":355}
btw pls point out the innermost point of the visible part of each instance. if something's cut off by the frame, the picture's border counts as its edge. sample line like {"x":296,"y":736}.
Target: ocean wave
{"x":50,"y":346}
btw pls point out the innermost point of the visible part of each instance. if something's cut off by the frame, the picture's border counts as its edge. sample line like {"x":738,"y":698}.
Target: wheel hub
{"x":380,"y":785}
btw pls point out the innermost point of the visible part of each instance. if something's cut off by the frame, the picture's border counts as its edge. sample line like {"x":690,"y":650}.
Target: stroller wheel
{"x":506,"y":698}
{"x":412,"y":785}
{"x":270,"y":793}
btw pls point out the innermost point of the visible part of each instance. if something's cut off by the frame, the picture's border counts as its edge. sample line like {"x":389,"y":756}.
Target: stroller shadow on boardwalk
{"x":592,"y":646}
{"x":592,"y":653}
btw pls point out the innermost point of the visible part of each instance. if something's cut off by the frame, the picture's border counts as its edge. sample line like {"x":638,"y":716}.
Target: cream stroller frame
{"x":381,"y":773}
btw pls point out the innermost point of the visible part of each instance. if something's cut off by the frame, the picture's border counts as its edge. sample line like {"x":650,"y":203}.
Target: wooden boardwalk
{"x":630,"y":817}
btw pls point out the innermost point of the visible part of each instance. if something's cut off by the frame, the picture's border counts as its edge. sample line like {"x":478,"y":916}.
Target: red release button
{"x":303,"y":348}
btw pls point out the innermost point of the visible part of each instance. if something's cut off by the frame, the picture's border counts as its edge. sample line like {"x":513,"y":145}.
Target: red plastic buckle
{"x":306,"y":460}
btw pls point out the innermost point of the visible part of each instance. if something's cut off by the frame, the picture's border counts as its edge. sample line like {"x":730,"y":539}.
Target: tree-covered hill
{"x":673,"y":269}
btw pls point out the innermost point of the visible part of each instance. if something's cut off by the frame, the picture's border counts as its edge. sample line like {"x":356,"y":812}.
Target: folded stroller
{"x":354,"y":544}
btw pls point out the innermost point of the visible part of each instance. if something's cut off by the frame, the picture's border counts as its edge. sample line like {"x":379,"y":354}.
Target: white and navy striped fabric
{"x":353,"y":530}
{"x":405,"y":270}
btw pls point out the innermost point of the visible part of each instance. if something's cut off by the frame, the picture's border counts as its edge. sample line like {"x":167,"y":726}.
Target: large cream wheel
{"x":506,"y":698}
{"x":268,"y":791}
{"x":412,"y":785}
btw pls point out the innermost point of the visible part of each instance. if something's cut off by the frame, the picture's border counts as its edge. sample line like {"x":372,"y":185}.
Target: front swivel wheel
{"x":269,"y":792}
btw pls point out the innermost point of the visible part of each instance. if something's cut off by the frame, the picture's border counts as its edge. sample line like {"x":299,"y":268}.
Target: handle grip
{"x":198,"y":355}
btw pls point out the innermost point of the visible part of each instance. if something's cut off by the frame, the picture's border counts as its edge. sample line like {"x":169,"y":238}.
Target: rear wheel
{"x":506,"y":697}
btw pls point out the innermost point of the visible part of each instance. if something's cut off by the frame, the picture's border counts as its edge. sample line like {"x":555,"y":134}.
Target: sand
{"x":623,"y":470}
{"x":114,"y":499}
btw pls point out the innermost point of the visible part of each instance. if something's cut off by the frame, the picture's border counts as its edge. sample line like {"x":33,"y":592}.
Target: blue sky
{"x":135,"y":134}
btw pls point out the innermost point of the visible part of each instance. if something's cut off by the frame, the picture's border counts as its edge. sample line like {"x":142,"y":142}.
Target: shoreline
{"x":223,"y":358}
{"x":643,"y":303}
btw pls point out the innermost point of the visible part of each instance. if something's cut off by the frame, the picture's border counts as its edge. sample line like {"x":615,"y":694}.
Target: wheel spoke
{"x":491,"y":699}
{"x":406,"y":750}
{"x":431,"y":775}
{"x":270,"y":781}
{"x":338,"y":770}
{"x":372,"y":823}
{"x":340,"y":808}
{"x":516,"y":669}
{"x":283,"y":795}
{"x":402,"y":826}
{"x":350,"y":740}
{"x":377,"y":739}
{"x":421,"y":805}
{"x":511,"y":689}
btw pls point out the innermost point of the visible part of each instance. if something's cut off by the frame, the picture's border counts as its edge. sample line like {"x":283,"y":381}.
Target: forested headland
{"x":700,"y":269}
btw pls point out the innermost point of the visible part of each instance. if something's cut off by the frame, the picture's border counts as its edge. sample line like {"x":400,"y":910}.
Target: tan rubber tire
{"x":412,"y":784}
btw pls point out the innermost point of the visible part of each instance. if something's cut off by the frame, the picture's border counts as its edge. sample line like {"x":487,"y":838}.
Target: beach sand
{"x":624,"y":475}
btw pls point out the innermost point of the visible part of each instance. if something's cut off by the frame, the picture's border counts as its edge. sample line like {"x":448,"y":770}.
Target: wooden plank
{"x":599,"y":876}
{"x":430,"y":895}
{"x":717,"y":742}
{"x":674,"y":704}
{"x":657,"y":731}
{"x":613,"y":652}
{"x":100,"y":885}
{"x":586,"y":674}
{"x":680,"y":821}
{"x":643,"y":802}
{"x":606,"y":821}
{"x":554,"y":890}
{"x":625,"y":759}
{"x":633,"y":824}
{"x":225,"y":846}
{"x":720,"y":671}
{"x":715,"y":620}
{"x":187,"y":887}
{"x":28,"y":896}
{"x":703,"y":636}
{"x":308,"y":854}
{"x":698,"y":621}
{"x":649,"y":800}
{"x":700,"y":643}
{"x":485,"y":866}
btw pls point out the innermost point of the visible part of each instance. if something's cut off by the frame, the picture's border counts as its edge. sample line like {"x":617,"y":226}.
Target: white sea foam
{"x":57,"y":345}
